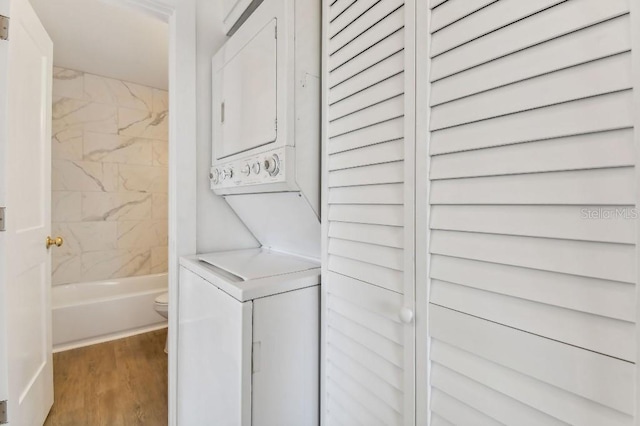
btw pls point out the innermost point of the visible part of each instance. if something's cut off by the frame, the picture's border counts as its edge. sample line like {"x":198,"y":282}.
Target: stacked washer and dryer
{"x":249,"y":320}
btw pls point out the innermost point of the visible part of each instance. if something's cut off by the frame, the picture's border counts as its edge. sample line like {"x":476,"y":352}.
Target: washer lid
{"x":257,"y":263}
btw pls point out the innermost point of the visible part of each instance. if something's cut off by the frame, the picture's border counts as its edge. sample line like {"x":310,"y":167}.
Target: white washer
{"x":248,"y":339}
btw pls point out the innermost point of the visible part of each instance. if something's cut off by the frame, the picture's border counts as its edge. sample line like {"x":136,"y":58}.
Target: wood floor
{"x":118,"y":383}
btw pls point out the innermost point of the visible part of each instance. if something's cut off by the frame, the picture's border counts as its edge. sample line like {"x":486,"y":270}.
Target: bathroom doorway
{"x":109,"y":162}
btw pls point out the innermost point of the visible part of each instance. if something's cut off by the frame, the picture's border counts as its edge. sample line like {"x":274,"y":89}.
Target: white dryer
{"x":248,"y":349}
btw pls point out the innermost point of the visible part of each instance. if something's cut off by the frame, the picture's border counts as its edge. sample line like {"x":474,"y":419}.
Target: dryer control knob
{"x":227,"y":174}
{"x":246,"y":170}
{"x":256,"y":168}
{"x":215,"y":176}
{"x":272,"y":165}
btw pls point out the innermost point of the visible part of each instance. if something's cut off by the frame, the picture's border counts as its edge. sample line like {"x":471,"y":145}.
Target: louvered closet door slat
{"x":556,"y":289}
{"x":371,"y":194}
{"x":368,"y":351}
{"x":390,"y":215}
{"x":339,"y":6}
{"x":531,"y":221}
{"x":558,"y":21}
{"x":604,"y":76}
{"x":377,"y":73}
{"x":484,"y":21}
{"x":374,"y":53}
{"x":374,"y":154}
{"x":381,"y":30}
{"x":533,"y":182}
{"x":598,"y":150}
{"x":379,"y":11}
{"x":377,"y":275}
{"x":350,"y":16}
{"x":559,"y":403}
{"x":453,"y":10}
{"x":601,"y":113}
{"x":457,"y":412}
{"x":591,"y":43}
{"x":379,"y":92}
{"x":486,"y":400}
{"x":380,"y":132}
{"x":389,"y":236}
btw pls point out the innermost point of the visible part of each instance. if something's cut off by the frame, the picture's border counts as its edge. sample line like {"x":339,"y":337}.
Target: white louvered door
{"x":368,"y":277}
{"x":532,"y":313}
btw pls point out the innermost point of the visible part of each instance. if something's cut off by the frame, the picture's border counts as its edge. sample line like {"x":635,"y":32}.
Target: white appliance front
{"x":246,"y":87}
{"x":266,"y":103}
{"x":214,"y":355}
{"x":250,"y":360}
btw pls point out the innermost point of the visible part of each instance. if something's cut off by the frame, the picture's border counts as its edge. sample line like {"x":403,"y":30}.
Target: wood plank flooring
{"x":118,"y":383}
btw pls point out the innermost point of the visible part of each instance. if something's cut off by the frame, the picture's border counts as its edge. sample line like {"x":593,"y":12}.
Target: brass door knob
{"x":58,"y":241}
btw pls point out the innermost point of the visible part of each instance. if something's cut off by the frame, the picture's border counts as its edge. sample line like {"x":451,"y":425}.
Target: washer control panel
{"x":266,"y":168}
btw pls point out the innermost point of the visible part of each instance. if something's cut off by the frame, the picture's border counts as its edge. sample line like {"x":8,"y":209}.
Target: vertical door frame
{"x":422,"y":217}
{"x":410,"y":228}
{"x":181,"y":17}
{"x":635,"y":57}
{"x":5,"y":10}
{"x":324,"y":197}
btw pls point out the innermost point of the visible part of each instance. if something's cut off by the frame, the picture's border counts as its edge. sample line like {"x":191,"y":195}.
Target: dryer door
{"x":244,"y":96}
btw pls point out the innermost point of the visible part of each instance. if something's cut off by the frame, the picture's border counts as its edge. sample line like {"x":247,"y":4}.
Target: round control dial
{"x":227,"y":174}
{"x":215,"y":176}
{"x":246,"y":170}
{"x":255,"y":168}
{"x":272,"y":165}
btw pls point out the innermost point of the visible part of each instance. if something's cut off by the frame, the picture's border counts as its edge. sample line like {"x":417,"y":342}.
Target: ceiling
{"x":105,"y":39}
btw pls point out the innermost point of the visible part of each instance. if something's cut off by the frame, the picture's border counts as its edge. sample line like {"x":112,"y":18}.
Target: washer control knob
{"x":256,"y":168}
{"x":227,"y":174}
{"x":215,"y":176}
{"x":246,"y":170}
{"x":272,"y":165}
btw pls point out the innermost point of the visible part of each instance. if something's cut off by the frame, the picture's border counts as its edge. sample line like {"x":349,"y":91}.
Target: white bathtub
{"x":95,"y":312}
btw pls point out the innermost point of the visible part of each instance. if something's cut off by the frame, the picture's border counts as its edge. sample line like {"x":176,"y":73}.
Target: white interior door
{"x":26,"y":374}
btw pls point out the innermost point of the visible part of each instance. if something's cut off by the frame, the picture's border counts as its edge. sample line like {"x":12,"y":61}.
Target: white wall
{"x":218,"y":228}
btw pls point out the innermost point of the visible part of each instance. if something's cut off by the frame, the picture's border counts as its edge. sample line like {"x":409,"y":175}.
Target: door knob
{"x":406,"y":315}
{"x":58,"y":241}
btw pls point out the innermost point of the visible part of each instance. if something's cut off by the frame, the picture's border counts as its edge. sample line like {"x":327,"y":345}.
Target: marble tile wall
{"x":109,"y":178}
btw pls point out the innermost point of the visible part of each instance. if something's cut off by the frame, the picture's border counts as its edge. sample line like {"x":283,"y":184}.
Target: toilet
{"x":161,"y":305}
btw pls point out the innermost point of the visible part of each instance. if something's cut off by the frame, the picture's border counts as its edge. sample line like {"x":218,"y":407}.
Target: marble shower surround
{"x":109,"y":178}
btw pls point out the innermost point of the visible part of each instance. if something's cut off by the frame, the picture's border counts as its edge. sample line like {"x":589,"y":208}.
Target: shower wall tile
{"x":143,"y":178}
{"x":67,"y":144}
{"x":117,"y":206}
{"x":116,"y":92}
{"x":66,"y":206}
{"x":146,"y":124}
{"x":84,"y":176}
{"x":68,"y":83}
{"x":117,"y":149}
{"x":160,"y":101}
{"x":109,"y":177}
{"x":160,"y":153}
{"x":116,"y":264}
{"x":81,"y":237}
{"x":66,"y":269}
{"x":88,"y":116}
{"x":145,"y":233}
{"x":159,"y":259}
{"x":160,"y":206}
